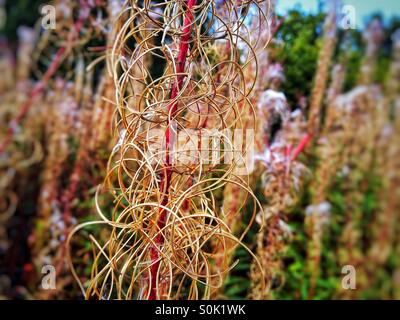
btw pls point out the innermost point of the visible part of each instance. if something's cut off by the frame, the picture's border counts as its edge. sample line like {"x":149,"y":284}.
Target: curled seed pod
{"x":165,"y":219}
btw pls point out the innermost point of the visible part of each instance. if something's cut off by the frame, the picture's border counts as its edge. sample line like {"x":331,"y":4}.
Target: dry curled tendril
{"x":165,"y":227}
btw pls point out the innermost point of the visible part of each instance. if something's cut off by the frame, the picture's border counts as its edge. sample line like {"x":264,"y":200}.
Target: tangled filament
{"x":165,"y":225}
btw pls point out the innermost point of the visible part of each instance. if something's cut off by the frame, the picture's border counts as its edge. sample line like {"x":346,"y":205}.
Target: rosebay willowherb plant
{"x":51,"y":113}
{"x":179,"y":150}
{"x":317,"y":212}
{"x":165,"y":221}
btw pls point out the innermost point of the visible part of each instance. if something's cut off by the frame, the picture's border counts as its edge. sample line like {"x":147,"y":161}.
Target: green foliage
{"x":296,"y":278}
{"x":300,"y":35}
{"x":20,"y":13}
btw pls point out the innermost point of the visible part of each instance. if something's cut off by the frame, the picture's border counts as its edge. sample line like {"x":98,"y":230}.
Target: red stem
{"x":302,"y":144}
{"x":166,"y":179}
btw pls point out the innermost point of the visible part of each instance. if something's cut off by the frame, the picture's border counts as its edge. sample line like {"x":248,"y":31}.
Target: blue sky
{"x":364,"y":8}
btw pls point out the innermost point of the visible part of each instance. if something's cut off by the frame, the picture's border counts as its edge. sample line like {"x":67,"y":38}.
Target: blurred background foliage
{"x":297,"y":48}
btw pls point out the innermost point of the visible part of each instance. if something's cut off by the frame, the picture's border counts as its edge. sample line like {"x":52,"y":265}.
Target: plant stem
{"x":166,"y":178}
{"x":302,"y":144}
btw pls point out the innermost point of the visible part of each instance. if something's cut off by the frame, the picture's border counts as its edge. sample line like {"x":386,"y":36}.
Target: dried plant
{"x":131,"y":121}
{"x":165,"y":218}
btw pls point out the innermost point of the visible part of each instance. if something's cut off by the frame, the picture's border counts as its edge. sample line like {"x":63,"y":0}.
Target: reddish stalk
{"x":167,"y":174}
{"x":301,"y":146}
